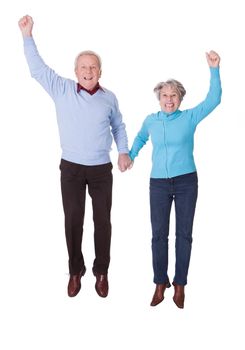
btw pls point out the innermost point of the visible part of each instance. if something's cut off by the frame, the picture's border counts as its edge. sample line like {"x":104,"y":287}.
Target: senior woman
{"x":174,"y":176}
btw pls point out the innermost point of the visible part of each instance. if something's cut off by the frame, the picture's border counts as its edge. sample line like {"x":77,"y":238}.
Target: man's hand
{"x":124,"y":162}
{"x":26,"y":25}
{"x":213,"y":59}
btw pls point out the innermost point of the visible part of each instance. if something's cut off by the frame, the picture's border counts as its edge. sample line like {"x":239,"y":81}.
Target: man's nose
{"x":88,"y":69}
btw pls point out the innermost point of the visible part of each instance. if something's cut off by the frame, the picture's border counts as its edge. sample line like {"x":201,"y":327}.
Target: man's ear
{"x":75,"y":70}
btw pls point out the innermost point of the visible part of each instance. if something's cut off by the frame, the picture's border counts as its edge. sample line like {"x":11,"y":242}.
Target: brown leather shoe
{"x":179,"y":295}
{"x":159,"y":293}
{"x":101,"y":285}
{"x":74,"y":284}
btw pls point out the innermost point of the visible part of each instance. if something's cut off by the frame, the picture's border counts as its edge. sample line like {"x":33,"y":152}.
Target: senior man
{"x":88,"y":119}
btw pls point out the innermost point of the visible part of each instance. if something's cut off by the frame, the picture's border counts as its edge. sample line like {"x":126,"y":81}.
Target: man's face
{"x":88,"y":71}
{"x":169,"y":99}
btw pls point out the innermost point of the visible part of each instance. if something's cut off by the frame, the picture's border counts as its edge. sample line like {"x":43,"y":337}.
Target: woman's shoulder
{"x":152,"y":117}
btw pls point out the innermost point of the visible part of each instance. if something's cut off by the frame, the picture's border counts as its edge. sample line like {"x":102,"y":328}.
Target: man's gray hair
{"x":91,"y":53}
{"x":174,"y":84}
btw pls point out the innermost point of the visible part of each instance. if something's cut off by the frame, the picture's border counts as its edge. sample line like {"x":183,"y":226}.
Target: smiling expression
{"x":88,"y":71}
{"x":169,"y":99}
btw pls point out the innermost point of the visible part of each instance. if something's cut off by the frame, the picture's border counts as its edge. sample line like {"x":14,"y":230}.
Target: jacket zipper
{"x":166,"y":149}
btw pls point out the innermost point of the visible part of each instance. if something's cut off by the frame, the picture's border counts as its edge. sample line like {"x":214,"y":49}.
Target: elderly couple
{"x":88,"y":120}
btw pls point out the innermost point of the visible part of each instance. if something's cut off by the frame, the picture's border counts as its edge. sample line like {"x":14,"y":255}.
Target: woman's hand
{"x":213,"y":59}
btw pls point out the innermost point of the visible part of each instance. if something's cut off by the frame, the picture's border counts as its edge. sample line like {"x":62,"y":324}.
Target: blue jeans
{"x":183,"y":191}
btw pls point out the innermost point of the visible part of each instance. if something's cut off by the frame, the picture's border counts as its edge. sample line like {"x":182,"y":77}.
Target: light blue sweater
{"x":172,"y":135}
{"x":86,"y":122}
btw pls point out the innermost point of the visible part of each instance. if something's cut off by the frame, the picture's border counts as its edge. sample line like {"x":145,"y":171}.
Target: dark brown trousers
{"x":75,"y":179}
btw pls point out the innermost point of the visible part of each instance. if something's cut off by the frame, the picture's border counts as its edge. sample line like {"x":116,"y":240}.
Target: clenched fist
{"x":213,"y":59}
{"x":26,"y":25}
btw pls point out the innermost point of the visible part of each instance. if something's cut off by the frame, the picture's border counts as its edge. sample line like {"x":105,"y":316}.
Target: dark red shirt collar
{"x":91,"y":92}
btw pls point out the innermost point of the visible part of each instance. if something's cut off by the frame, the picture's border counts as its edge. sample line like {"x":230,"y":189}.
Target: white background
{"x":141,"y":43}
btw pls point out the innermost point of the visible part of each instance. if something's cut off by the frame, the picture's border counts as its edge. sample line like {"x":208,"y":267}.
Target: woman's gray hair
{"x":174,"y":84}
{"x":91,"y":53}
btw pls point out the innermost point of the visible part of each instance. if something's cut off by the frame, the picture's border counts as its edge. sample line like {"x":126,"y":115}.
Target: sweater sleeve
{"x":118,"y":128}
{"x":212,"y":99}
{"x":50,"y":81}
{"x":140,"y":140}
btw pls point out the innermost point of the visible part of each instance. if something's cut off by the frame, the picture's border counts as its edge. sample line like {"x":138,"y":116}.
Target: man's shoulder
{"x":69,"y":84}
{"x":108,"y":92}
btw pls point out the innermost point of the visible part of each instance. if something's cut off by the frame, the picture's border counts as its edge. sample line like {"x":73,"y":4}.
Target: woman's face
{"x":169,"y":99}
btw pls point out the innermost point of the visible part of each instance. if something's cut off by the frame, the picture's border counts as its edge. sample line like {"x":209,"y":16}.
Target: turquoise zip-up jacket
{"x":172,"y":135}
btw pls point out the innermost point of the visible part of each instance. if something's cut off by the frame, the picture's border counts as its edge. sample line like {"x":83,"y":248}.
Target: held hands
{"x":26,"y":25}
{"x":124,"y":162}
{"x":213,"y":59}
